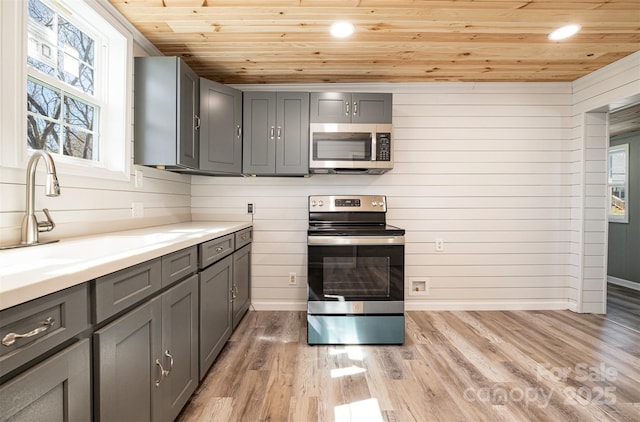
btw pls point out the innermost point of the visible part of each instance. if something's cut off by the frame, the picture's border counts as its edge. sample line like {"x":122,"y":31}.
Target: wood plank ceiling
{"x":287,"y":41}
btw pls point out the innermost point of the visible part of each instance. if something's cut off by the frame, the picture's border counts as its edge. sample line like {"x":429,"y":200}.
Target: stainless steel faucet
{"x":30,"y":224}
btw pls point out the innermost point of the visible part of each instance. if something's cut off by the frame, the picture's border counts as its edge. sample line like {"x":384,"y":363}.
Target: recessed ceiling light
{"x":341,"y":29}
{"x":564,"y":32}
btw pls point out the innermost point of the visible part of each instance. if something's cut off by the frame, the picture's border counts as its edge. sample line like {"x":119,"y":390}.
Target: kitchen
{"x":505,"y":173}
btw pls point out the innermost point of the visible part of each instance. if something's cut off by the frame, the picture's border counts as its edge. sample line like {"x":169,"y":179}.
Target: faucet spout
{"x":30,"y":225}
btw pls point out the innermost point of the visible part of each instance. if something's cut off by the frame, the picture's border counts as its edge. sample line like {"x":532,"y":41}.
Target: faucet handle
{"x":46,"y":226}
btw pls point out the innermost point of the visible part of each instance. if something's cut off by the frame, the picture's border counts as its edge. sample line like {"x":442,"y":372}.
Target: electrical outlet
{"x":138,"y":177}
{"x":137,"y":209}
{"x":250,"y":208}
{"x":292,"y":279}
{"x":439,"y":245}
{"x":419,"y":286}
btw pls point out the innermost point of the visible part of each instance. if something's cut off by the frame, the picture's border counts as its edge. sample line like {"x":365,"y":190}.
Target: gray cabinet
{"x":179,"y":353}
{"x":215,"y":311}
{"x":344,"y":107}
{"x":241,"y":283}
{"x":57,"y":389}
{"x":31,"y":330}
{"x":124,"y":366}
{"x":146,"y":362}
{"x":221,"y":128}
{"x":276,"y":133}
{"x":166,"y":113}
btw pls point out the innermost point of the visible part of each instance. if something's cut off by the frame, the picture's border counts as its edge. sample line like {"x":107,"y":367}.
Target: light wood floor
{"x":623,"y":306}
{"x":454,"y":366}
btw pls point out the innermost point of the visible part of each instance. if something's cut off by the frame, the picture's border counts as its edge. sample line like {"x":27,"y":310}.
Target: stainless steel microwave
{"x":350,"y":148}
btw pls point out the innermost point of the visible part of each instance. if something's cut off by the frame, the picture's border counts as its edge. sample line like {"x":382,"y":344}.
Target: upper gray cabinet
{"x":345,"y":107}
{"x":166,"y":113}
{"x":276,"y":133}
{"x":221,"y":128}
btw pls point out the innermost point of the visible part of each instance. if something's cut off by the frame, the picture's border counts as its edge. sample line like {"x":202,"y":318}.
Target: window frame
{"x":116,"y":88}
{"x":617,"y":149}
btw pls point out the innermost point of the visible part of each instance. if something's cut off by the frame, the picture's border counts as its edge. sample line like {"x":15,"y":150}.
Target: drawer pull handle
{"x":219,"y":249}
{"x":163,"y":372}
{"x":168,"y":354}
{"x":11,"y":338}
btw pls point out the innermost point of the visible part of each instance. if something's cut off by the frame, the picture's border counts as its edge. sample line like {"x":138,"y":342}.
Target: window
{"x":66,"y":80}
{"x":63,"y":107}
{"x":618,"y":183}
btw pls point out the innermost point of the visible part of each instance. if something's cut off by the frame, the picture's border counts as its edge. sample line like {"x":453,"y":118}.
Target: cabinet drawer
{"x":215,"y":250}
{"x":117,"y":291}
{"x":179,"y":265}
{"x":243,"y":237}
{"x":31,"y":329}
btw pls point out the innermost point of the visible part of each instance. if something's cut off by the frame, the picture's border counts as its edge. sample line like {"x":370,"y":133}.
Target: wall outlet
{"x":439,"y":245}
{"x":419,"y":286}
{"x":250,"y":208}
{"x":138,"y":178}
{"x":137,"y":209}
{"x":292,"y":279}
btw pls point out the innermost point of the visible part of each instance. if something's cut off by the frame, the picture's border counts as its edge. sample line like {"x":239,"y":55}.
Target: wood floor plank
{"x":454,"y":366}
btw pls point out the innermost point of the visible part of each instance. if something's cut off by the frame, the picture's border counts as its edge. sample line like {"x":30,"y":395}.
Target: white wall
{"x":486,"y":167}
{"x":594,"y":95}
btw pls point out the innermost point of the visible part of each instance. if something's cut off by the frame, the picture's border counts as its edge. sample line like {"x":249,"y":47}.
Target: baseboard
{"x":424,"y":305}
{"x":624,"y":283}
{"x":279,"y":306}
{"x":489,"y":306}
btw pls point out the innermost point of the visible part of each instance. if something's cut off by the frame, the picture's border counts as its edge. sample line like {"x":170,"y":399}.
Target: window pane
{"x":617,"y":166}
{"x":76,"y":54}
{"x":618,"y":200}
{"x":43,"y":100}
{"x":43,"y":134}
{"x":79,"y":144}
{"x":78,"y":113}
{"x":42,"y":38}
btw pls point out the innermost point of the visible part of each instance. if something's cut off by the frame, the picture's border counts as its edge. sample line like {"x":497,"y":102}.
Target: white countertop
{"x":35,"y":271}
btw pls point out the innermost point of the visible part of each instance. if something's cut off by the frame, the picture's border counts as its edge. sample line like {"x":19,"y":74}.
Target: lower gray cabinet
{"x":145,"y":362}
{"x":57,"y":389}
{"x":179,"y":346}
{"x":215,"y":311}
{"x":241,"y":283}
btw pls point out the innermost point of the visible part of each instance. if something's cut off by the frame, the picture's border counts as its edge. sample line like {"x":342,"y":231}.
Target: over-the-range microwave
{"x":350,"y":148}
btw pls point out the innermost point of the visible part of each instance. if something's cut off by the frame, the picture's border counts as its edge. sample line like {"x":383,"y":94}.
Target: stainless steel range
{"x":355,"y":272}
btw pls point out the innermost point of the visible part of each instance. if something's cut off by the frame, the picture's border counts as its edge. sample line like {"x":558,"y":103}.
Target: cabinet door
{"x":179,"y":346}
{"x":125,"y":369}
{"x":371,"y":108}
{"x":292,"y":133}
{"x":241,"y":283}
{"x":330,"y":107}
{"x":215,"y":311}
{"x":220,"y":133}
{"x":259,"y":124}
{"x":188,"y":115}
{"x":58,"y":389}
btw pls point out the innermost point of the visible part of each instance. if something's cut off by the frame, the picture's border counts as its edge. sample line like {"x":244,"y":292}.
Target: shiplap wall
{"x":485,"y":167}
{"x":594,"y":95}
{"x":90,"y":205}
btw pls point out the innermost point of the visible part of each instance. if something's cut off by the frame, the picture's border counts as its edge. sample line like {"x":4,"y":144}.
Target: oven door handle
{"x":354,"y":240}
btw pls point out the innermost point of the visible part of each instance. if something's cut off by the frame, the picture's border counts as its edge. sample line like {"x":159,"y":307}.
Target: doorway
{"x":623,"y":193}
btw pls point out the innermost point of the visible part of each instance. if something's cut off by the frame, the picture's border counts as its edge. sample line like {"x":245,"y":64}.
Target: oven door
{"x":355,"y":274}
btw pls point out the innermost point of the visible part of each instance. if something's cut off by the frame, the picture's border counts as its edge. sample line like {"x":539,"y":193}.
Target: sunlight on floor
{"x":353,"y":352}
{"x":342,"y":372}
{"x":359,"y":411}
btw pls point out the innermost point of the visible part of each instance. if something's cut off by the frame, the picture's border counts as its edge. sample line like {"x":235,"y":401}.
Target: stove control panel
{"x":346,"y":203}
